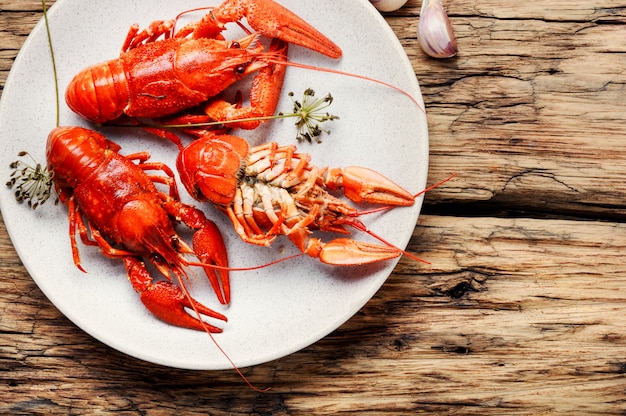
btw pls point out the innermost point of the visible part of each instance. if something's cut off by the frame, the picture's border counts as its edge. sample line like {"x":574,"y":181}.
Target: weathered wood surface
{"x":522,"y":310}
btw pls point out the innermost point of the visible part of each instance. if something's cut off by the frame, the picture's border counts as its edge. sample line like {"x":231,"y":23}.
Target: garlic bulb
{"x":388,"y":5}
{"x":434,"y":31}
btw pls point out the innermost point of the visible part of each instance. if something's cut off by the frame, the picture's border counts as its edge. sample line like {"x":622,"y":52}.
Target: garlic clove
{"x":388,"y":5}
{"x":434,"y":31}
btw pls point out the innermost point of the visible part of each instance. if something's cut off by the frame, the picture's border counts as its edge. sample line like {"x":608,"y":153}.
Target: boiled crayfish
{"x":129,"y":218}
{"x":156,"y":77}
{"x":272,"y":190}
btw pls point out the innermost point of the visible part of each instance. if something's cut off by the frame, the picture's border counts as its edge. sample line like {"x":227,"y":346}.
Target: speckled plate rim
{"x":277,"y":310}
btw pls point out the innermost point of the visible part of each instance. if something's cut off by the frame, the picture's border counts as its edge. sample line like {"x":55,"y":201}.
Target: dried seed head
{"x":32,"y":184}
{"x":310,"y":114}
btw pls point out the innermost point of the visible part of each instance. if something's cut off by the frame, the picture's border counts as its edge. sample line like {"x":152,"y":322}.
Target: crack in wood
{"x":536,"y":172}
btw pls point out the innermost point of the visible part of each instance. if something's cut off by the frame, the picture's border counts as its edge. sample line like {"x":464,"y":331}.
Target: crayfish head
{"x":211,"y":66}
{"x":243,"y":56}
{"x":210,"y":167}
{"x":144,"y":228}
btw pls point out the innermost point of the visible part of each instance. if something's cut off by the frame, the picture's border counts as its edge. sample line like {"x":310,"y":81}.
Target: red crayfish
{"x":272,"y":190}
{"x":156,"y":77}
{"x":129,"y":218}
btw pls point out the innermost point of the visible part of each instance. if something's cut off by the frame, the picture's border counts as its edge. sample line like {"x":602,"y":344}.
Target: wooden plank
{"x":13,"y":35}
{"x":530,"y":112}
{"x":24,"y":5}
{"x":507,"y":318}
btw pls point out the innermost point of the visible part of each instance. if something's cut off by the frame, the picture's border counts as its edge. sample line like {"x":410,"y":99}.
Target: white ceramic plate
{"x":274,"y":311}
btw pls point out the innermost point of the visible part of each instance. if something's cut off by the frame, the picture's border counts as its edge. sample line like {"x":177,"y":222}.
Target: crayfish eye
{"x":175,"y":242}
{"x":235,"y":45}
{"x":157,"y":258}
{"x":240,"y":69}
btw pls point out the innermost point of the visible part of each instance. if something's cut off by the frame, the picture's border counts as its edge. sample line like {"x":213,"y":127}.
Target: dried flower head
{"x":33,"y":184}
{"x":310,"y":113}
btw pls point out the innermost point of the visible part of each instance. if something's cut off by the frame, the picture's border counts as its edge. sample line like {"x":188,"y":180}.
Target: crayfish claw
{"x":366,"y":185}
{"x":209,"y":247}
{"x":275,"y":21}
{"x":347,"y":252}
{"x":168,"y":302}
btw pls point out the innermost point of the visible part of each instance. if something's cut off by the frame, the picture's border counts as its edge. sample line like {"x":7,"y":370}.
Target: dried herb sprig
{"x":310,"y":113}
{"x":33,"y":184}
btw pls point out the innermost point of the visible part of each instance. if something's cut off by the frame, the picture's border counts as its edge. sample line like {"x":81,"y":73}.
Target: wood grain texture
{"x":522,"y":309}
{"x":510,"y":319}
{"x":529,"y":112}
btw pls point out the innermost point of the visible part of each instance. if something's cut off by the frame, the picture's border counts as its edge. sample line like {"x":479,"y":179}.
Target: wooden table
{"x":521,"y":311}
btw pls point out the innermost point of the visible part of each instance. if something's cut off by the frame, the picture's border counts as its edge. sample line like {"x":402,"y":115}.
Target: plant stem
{"x":54,"y":66}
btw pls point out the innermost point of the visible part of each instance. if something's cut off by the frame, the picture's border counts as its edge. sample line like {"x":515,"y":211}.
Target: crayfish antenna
{"x":420,"y":193}
{"x":351,"y":75}
{"x":361,"y":227}
{"x":206,"y":326}
{"x":431,"y":187}
{"x":207,"y":329}
{"x":244,"y":269}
